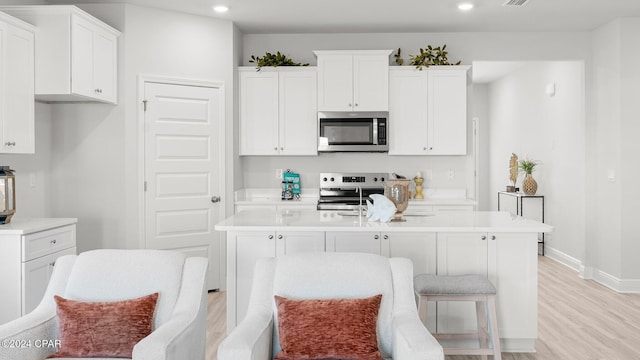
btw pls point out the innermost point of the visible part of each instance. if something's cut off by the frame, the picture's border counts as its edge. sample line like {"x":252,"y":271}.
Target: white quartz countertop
{"x":311,"y":220}
{"x":23,"y":226}
{"x":310,"y":196}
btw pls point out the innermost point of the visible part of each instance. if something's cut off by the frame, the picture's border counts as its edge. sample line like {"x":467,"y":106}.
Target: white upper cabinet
{"x":278,"y":112}
{"x":16,"y":86}
{"x":76,"y":54}
{"x":353,"y":80}
{"x":428,"y":111}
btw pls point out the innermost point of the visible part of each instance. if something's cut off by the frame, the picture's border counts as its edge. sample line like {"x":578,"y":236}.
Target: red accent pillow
{"x":328,"y":329}
{"x":103,"y":329}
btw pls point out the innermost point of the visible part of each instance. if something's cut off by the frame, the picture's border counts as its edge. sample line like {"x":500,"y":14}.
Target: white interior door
{"x":182,"y":170}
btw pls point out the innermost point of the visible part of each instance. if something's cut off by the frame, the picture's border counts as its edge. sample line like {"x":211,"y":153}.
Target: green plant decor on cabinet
{"x":529,"y":184}
{"x":277,"y":59}
{"x":427,"y":57}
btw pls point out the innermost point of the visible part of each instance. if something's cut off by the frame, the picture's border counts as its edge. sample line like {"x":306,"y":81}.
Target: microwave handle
{"x":375,"y":131}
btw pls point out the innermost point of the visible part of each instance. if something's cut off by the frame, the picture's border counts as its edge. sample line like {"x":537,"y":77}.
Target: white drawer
{"x":47,"y":242}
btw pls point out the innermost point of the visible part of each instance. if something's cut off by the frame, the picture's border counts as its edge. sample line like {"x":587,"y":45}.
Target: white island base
{"x":495,"y":244}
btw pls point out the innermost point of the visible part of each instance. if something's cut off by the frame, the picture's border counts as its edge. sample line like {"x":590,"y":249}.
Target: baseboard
{"x":563,"y":259}
{"x":591,"y":273}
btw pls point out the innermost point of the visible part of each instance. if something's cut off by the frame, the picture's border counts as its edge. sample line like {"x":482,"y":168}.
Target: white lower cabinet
{"x":292,"y":242}
{"x":37,"y":273}
{"x":248,"y":247}
{"x":505,"y":258}
{"x":28,"y":252}
{"x":349,"y":241}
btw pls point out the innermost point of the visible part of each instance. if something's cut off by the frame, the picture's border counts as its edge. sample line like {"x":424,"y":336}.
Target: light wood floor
{"x":577,"y":320}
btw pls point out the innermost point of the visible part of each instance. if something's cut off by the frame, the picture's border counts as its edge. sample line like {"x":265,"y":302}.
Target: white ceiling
{"x":334,"y":16}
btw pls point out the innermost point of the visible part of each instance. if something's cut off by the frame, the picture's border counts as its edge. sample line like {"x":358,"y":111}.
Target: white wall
{"x":481,"y":113}
{"x":551,"y":129}
{"x":34,"y":200}
{"x":613,"y":241}
{"x":96,"y":147}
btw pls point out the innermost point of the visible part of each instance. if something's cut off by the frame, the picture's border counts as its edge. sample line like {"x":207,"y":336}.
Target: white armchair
{"x":179,"y":327}
{"x":401,"y":335}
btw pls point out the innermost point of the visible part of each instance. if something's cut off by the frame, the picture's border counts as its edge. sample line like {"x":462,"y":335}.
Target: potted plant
{"x":274,"y":60}
{"x":529,"y":184}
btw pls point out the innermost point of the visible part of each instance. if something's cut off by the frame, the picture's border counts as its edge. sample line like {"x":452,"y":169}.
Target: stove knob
{"x":324,"y":179}
{"x":381,"y":179}
{"x":375,"y":179}
{"x":332,"y":179}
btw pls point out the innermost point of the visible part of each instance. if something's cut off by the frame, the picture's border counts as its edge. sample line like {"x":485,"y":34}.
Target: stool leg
{"x":495,"y":336}
{"x":483,"y":329}
{"x":422,"y":309}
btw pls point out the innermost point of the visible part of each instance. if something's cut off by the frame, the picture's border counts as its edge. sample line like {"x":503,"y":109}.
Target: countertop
{"x":256,"y":196}
{"x":21,"y":226}
{"x":312,"y":220}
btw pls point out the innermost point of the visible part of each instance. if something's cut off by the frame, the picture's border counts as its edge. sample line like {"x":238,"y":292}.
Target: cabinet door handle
{"x":282,"y":148}
{"x":53,"y":242}
{"x":349,"y":105}
{"x":270,"y":237}
{"x":424,"y":148}
{"x":53,"y":264}
{"x":376,"y":237}
{"x":493,"y":237}
{"x":356,"y":104}
{"x":483,"y":237}
{"x":10,"y":143}
{"x":279,"y":236}
{"x":275,"y":148}
{"x":386,"y":237}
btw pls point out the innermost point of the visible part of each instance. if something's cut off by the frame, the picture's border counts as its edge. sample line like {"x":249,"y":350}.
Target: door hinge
{"x":145,"y":186}
{"x":144,"y":104}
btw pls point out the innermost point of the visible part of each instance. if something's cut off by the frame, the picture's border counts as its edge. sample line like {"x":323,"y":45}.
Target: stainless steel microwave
{"x":346,"y":131}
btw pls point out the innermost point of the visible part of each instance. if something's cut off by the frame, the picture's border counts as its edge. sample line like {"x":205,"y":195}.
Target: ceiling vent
{"x":515,"y":2}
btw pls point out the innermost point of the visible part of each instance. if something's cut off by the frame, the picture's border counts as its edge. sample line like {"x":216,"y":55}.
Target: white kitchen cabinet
{"x":420,"y":248}
{"x":278,"y":113}
{"x":429,"y":111}
{"x":76,"y":54}
{"x":353,"y":80}
{"x":460,"y":254}
{"x":17,"y":133}
{"x":291,"y":242}
{"x":28,"y":251}
{"x":349,"y":241}
{"x":499,"y":256}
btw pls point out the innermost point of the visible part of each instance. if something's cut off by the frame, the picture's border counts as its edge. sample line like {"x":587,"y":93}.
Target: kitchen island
{"x":498,"y":245}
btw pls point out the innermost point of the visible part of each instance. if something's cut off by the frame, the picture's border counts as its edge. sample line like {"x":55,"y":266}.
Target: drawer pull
{"x":53,"y":242}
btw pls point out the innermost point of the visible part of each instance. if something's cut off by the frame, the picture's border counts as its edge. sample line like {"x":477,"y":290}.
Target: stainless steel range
{"x":345,"y":191}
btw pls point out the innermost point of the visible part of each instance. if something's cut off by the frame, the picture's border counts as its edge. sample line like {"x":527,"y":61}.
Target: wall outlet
{"x":451,"y":174}
{"x":278,"y":173}
{"x":428,"y":174}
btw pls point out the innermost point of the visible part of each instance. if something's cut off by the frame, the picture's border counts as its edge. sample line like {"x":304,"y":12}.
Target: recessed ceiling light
{"x":220,"y":8}
{"x":465,"y":6}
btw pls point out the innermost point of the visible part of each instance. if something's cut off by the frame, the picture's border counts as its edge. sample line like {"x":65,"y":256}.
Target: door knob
{"x":215,"y":199}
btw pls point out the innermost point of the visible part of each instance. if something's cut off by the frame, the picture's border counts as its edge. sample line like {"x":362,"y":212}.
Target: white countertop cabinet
{"x":28,"y":251}
{"x":76,"y":54}
{"x":353,"y":80}
{"x":505,"y":258}
{"x":278,"y":112}
{"x":428,"y":109}
{"x":17,"y":133}
{"x":494,"y":244}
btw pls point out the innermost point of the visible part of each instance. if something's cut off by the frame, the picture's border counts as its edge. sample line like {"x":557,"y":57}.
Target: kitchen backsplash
{"x":260,"y":171}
